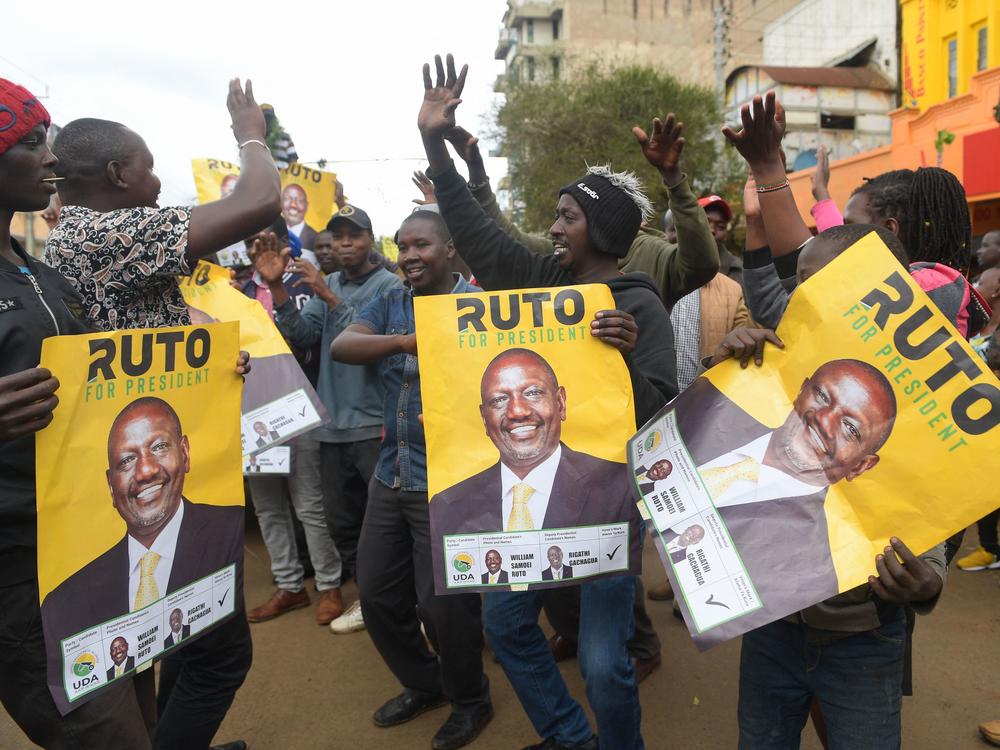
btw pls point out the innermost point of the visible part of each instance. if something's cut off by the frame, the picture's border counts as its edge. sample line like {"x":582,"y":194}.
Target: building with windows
{"x":944,"y":43}
{"x":545,"y":39}
{"x":845,"y":109}
{"x":950,"y":113}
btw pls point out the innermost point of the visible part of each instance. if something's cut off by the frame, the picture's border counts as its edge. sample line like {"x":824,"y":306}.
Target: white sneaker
{"x":350,"y":622}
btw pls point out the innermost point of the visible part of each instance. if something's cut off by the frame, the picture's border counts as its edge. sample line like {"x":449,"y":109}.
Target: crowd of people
{"x":356,"y":505}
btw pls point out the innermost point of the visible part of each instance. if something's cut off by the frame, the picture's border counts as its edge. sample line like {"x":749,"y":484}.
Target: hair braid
{"x":938,"y":227}
{"x":930,"y":207}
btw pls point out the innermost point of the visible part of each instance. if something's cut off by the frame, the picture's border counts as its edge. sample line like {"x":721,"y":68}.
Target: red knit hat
{"x":20,"y":111}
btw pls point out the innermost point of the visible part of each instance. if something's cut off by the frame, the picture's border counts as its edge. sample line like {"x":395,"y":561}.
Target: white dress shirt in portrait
{"x":540,"y":479}
{"x":771,"y":484}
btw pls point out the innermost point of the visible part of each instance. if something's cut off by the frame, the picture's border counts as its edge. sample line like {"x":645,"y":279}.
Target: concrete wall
{"x":816,"y":32}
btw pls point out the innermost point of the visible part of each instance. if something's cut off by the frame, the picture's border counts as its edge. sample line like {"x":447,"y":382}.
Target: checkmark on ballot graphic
{"x":611,"y":555}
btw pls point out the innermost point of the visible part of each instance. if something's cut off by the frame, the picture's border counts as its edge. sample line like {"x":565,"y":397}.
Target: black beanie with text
{"x":614,"y":205}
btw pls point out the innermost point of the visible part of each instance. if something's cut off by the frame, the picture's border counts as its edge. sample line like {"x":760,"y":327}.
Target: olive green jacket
{"x":675,"y":269}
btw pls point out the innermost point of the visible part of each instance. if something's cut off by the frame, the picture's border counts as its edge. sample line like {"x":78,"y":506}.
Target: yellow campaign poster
{"x":279,"y":403}
{"x":526,"y":415}
{"x":307,"y":194}
{"x":774,"y":488}
{"x":140,"y":500}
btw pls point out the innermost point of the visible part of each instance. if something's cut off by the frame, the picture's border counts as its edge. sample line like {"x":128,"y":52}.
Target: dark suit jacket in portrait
{"x":501,"y":577}
{"x":586,"y":491}
{"x":185,"y":634}
{"x":210,"y":537}
{"x":307,"y":237}
{"x":677,"y":555}
{"x":129,"y":666}
{"x":644,"y":487}
{"x":567,"y":572}
{"x":784,"y":543}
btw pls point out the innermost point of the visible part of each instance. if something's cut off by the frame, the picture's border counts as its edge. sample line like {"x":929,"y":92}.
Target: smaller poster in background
{"x":273,"y":461}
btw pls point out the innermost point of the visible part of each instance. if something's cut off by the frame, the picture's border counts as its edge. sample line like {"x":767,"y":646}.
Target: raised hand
{"x":904,"y":579}
{"x":248,"y":119}
{"x":616,"y":328}
{"x":27,"y":399}
{"x":759,"y":141}
{"x":663,"y":147}
{"x":821,"y":177}
{"x":467,"y":147}
{"x":269,"y":260}
{"x":441,"y":98}
{"x":425,"y":186}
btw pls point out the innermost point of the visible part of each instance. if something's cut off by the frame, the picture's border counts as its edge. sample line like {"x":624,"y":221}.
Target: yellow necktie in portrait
{"x":147,"y":593}
{"x":520,"y":517}
{"x":719,"y":479}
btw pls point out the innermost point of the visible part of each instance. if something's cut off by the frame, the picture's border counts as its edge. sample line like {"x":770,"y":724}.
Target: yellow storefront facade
{"x":950,"y":109}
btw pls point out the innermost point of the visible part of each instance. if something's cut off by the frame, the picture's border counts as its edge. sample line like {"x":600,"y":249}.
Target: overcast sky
{"x":344,"y":78}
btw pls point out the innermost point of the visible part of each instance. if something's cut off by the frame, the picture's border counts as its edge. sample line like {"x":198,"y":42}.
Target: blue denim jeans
{"x":606,"y":624}
{"x":857,"y":681}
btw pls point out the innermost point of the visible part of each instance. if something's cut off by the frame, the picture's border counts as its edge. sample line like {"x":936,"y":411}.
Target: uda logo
{"x":83,"y":668}
{"x":462,"y":562}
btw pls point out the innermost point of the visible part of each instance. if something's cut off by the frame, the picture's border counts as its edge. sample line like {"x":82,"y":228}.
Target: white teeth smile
{"x":817,"y":441}
{"x":523,"y":430}
{"x":149,"y":491}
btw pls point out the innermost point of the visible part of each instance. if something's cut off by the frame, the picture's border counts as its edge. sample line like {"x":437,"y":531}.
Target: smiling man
{"x":164,"y":544}
{"x":539,"y":482}
{"x":395,"y":573}
{"x":841,"y":417}
{"x":121,"y":662}
{"x":294,"y":206}
{"x":494,"y":568}
{"x":762,"y":478}
{"x":169,"y":542}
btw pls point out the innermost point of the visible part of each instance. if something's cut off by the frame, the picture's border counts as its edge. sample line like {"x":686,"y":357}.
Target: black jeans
{"x":562,"y":608}
{"x":396,"y":585}
{"x":198,"y":684}
{"x":110,"y":719}
{"x":346,"y":469}
{"x":988,"y":532}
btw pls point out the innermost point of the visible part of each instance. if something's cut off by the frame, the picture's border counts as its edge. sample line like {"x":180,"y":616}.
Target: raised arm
{"x":256,"y":199}
{"x":762,"y":288}
{"x":759,"y":142}
{"x":496,"y":259}
{"x":466,"y":146}
{"x":360,"y":345}
{"x":695,"y":260}
{"x":824,"y":210}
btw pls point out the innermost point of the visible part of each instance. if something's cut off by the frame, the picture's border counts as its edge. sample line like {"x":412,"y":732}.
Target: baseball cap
{"x":716,"y":201}
{"x":353,"y":215}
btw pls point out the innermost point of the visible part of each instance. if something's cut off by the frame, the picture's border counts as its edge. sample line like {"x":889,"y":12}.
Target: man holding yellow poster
{"x":552,"y":478}
{"x":801,"y":471}
{"x":113,"y":575}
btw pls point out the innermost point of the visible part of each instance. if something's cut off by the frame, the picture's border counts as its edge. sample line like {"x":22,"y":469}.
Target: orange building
{"x":951,"y":86}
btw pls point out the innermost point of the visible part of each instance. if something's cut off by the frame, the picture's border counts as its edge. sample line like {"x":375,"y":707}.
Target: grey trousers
{"x":303,"y":492}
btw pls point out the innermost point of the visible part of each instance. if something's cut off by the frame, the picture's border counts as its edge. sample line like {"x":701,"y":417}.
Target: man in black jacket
{"x":38,"y":303}
{"x":597,"y":218}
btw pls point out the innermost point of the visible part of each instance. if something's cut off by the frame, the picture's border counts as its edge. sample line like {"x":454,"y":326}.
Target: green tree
{"x":551,"y":131}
